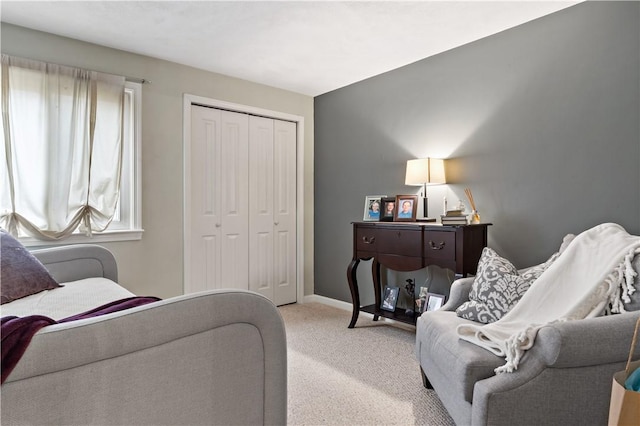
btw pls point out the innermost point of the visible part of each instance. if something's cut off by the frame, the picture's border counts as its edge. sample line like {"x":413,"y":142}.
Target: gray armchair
{"x":565,"y":378}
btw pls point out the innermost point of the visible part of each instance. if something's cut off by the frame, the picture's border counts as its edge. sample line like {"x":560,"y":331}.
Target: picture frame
{"x":406,"y":208}
{"x":372,"y":208}
{"x":390,"y":298}
{"x":421,"y":301}
{"x":434,"y":301}
{"x":388,"y":209}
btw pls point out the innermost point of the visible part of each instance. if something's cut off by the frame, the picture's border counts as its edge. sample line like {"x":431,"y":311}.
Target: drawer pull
{"x":368,"y":240}
{"x":436,"y":247}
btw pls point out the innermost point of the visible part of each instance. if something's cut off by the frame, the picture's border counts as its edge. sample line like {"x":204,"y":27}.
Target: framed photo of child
{"x":406,"y":208}
{"x":372,"y":207}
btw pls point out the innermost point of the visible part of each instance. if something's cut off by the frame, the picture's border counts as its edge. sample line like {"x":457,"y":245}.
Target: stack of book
{"x":454,"y":217}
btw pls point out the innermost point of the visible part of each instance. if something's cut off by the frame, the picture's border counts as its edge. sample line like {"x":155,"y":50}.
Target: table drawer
{"x":367,"y":239}
{"x":401,"y":263}
{"x":440,"y":245}
{"x":402,"y":242}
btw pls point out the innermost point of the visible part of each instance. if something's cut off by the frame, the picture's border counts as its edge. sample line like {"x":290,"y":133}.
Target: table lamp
{"x":423,"y":172}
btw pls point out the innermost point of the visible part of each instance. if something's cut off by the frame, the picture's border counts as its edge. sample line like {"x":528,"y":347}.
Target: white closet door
{"x":219,"y":194}
{"x":261,"y":218}
{"x":243,"y":204}
{"x":272,"y":201}
{"x":284,"y":195}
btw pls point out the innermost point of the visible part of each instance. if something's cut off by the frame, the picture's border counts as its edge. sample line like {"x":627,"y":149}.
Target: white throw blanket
{"x":579,"y":284}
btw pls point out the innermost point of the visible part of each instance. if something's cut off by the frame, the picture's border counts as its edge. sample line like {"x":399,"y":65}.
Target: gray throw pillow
{"x":22,"y":274}
{"x":497,"y":287}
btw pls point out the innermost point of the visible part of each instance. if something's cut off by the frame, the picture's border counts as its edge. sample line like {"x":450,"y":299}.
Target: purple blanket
{"x":17,"y":332}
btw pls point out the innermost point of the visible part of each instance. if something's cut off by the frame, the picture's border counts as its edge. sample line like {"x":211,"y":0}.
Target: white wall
{"x":154,"y":265}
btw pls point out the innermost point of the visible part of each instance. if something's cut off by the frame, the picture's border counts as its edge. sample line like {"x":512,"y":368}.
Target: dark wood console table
{"x":403,"y":246}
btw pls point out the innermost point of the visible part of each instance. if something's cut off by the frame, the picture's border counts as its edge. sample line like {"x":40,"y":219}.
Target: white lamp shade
{"x":425,"y":171}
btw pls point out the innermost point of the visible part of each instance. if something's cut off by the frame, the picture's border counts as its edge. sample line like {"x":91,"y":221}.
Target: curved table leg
{"x":353,"y":286}
{"x":375,"y":274}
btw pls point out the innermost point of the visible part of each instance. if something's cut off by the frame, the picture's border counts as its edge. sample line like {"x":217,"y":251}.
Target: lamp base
{"x":425,"y":212}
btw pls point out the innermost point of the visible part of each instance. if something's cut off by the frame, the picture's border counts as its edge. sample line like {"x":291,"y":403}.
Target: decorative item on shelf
{"x":454,"y":217}
{"x":406,"y":208}
{"x":410,"y":286}
{"x":423,"y":172}
{"x":434,"y":301}
{"x":390,"y":298}
{"x":475,"y":216}
{"x":372,"y":205}
{"x":421,"y":302}
{"x":388,"y":209}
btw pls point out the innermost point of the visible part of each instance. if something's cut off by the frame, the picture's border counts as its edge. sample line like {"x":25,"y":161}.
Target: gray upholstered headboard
{"x":76,"y":262}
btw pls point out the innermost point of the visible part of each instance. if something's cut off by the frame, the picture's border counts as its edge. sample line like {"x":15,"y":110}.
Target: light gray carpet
{"x":362,"y":376}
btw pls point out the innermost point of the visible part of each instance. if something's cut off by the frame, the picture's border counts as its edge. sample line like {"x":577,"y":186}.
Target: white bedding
{"x":74,"y":298}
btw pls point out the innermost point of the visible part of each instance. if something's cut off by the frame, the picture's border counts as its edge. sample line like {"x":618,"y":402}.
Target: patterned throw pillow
{"x":497,"y":287}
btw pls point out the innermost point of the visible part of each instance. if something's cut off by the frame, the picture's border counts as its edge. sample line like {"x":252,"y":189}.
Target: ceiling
{"x":308,"y":47}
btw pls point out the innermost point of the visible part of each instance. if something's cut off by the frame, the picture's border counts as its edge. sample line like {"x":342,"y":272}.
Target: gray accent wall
{"x":541,"y":121}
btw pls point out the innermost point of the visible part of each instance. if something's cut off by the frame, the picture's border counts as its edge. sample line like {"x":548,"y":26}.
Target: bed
{"x":215,"y":357}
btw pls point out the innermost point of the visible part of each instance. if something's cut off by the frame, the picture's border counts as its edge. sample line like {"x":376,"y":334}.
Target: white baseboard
{"x":345,"y":306}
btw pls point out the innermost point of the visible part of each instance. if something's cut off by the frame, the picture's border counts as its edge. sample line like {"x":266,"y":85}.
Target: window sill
{"x":97,"y":237}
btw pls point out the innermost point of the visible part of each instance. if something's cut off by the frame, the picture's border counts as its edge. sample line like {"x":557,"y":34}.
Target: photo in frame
{"x":388,"y":209}
{"x":406,"y":208}
{"x":372,"y":207}
{"x":390,"y":298}
{"x":421,"y":302}
{"x":434,"y":301}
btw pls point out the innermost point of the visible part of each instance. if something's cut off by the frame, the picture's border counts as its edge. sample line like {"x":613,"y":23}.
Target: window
{"x":127,"y":221}
{"x":46,"y":119}
{"x":127,"y":218}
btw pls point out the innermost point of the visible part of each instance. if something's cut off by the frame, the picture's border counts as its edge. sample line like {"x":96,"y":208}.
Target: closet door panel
{"x":284,"y":185}
{"x":234,"y":183}
{"x":219,"y":200}
{"x":205,"y":205}
{"x":261,"y":206}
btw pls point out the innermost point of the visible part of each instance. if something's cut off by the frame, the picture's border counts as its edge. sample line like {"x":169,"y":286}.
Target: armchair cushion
{"x":454,"y":357}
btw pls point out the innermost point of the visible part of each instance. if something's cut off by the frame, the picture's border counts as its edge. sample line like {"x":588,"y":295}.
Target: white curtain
{"x":62,"y":148}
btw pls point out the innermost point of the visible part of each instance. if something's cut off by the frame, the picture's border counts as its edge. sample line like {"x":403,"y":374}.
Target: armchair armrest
{"x":459,"y":294}
{"x":586,"y":342}
{"x":573,"y":356}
